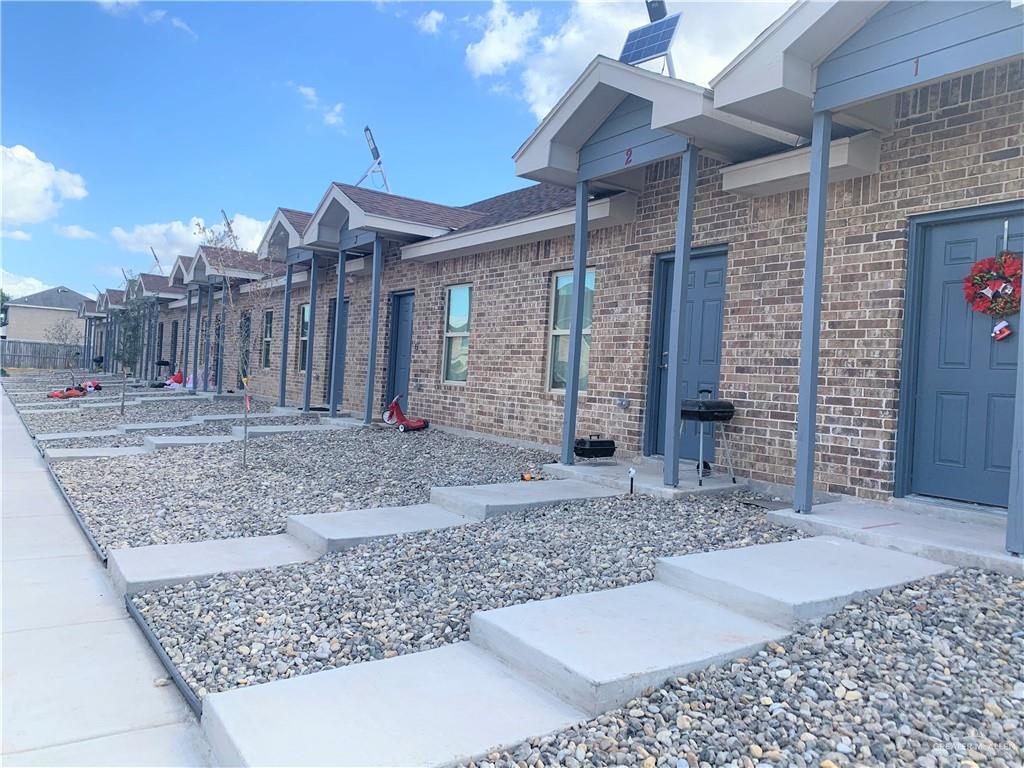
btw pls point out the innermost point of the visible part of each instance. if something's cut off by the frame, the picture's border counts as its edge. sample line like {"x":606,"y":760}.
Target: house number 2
{"x":629,"y":156}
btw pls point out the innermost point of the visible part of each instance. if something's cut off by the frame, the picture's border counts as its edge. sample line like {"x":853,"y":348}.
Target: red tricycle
{"x":395,"y":415}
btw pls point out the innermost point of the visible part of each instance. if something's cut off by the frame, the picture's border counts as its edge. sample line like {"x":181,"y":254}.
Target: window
{"x":174,"y":346}
{"x":303,"y":335}
{"x":268,"y":336}
{"x":456,"y":333}
{"x":244,"y":345}
{"x":561,"y":312}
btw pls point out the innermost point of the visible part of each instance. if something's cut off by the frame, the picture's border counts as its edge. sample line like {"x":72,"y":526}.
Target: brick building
{"x":922,"y":175}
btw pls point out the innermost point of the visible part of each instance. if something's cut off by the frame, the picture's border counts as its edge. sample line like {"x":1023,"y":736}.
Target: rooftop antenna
{"x":159,"y":266}
{"x":378,"y":165}
{"x":653,"y":40}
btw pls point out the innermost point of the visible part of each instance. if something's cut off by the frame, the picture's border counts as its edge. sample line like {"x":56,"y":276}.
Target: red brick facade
{"x":956,"y":144}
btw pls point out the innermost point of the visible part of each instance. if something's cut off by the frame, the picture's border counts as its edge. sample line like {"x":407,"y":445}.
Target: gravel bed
{"x":204,"y":492}
{"x":417,"y":591}
{"x":82,"y":419}
{"x":205,"y":428}
{"x":927,"y":675}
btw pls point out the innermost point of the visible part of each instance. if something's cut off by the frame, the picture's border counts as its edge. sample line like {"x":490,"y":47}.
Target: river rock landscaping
{"x":927,"y":675}
{"x":203,"y":492}
{"x":417,"y":591}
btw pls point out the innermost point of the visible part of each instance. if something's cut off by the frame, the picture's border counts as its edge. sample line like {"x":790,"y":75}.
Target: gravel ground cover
{"x":417,"y":591}
{"x":38,"y":397}
{"x":81,"y":419}
{"x":926,"y":675}
{"x":130,"y":439}
{"x":204,"y":492}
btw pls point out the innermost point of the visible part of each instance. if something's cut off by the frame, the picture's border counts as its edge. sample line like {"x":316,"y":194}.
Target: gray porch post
{"x":195,"y":339}
{"x":158,"y":340}
{"x":188,"y":324}
{"x":85,"y":342}
{"x":674,"y":391}
{"x":371,"y":365}
{"x":340,"y":342}
{"x":209,"y":337}
{"x":283,"y":374}
{"x":1015,"y":508}
{"x":221,"y":336}
{"x":810,"y":331}
{"x":307,"y":387}
{"x":579,"y":293}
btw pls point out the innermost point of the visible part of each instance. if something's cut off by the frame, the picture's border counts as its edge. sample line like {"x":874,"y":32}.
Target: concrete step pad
{"x":793,"y":581}
{"x":115,"y":404}
{"x":482,"y":501}
{"x":438,"y":707}
{"x":599,"y":650}
{"x":164,"y":442}
{"x":146,"y":426}
{"x":335,"y":531}
{"x":265,"y":430}
{"x":143,"y":568}
{"x":99,"y":452}
{"x":44,"y":436}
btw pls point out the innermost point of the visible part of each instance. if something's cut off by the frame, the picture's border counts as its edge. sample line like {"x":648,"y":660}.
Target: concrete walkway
{"x":79,"y":679}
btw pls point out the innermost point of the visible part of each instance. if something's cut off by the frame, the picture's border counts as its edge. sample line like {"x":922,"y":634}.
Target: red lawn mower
{"x":395,"y":415}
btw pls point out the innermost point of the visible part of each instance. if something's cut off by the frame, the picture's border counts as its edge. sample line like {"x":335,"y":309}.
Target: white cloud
{"x":332,"y":115}
{"x":33,"y":189}
{"x":156,"y":16}
{"x":505,"y":41}
{"x":710,"y":35}
{"x":15,"y":234}
{"x":17,"y":286}
{"x":430,"y":22}
{"x":118,"y":6}
{"x":75,"y":232}
{"x":176,"y":237}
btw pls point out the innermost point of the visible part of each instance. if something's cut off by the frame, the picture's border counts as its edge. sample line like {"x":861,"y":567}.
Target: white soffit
{"x":279,"y":224}
{"x":849,"y":158}
{"x":601,"y":213}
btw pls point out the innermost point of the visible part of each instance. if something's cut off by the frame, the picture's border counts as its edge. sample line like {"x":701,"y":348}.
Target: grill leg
{"x":728,"y":452}
{"x":700,"y":454}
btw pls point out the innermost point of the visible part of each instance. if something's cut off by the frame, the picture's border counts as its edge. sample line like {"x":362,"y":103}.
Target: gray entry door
{"x":702,"y":350}
{"x":400,"y":355}
{"x":965,"y":381}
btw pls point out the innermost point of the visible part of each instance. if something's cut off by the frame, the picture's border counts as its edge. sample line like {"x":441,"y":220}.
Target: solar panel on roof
{"x":650,"y":41}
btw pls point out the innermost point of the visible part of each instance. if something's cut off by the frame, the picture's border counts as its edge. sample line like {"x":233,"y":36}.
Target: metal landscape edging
{"x":193,"y":701}
{"x":97,"y":550}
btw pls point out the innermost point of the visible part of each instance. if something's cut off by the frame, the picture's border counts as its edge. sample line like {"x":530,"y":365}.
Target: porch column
{"x":1015,"y":508}
{"x":209,"y":337}
{"x":221,"y":336}
{"x":188,"y":318}
{"x":307,"y":387}
{"x":674,"y":390}
{"x":85,"y":343}
{"x":158,"y":341}
{"x":810,"y":330}
{"x":340,"y":342}
{"x":195,"y":340}
{"x":283,"y":373}
{"x":371,"y":365}
{"x":579,"y":292}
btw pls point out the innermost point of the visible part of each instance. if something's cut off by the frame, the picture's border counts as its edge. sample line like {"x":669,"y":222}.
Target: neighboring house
{"x":30,"y":318}
{"x":828,"y":196}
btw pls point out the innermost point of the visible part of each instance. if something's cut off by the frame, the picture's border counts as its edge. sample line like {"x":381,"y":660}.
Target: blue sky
{"x":123,"y":122}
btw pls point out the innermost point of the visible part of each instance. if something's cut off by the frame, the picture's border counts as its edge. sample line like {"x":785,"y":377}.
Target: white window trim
{"x":551,"y":327}
{"x":303,"y":359}
{"x":268,"y":341}
{"x":447,"y":335}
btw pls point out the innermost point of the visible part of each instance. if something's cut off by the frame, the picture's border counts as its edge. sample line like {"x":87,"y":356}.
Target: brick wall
{"x":956,"y":144}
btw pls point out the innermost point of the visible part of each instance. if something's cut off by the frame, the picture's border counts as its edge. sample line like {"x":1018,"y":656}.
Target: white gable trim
{"x":278,"y":220}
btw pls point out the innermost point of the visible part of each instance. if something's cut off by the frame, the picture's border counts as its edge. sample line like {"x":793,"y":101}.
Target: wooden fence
{"x":39,"y":354}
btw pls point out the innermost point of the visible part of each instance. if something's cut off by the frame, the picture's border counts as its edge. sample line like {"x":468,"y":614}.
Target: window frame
{"x":268,"y":338}
{"x":302,"y":348}
{"x":446,"y":334}
{"x":552,"y":331}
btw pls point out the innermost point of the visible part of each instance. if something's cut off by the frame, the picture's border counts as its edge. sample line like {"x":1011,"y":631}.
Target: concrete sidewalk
{"x":79,"y":679}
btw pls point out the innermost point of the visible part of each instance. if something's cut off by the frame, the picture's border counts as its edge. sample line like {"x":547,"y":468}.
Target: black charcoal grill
{"x":704,"y":410}
{"x":594,"y":447}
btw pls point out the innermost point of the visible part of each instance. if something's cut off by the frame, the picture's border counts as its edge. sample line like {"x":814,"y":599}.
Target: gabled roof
{"x":283,"y":232}
{"x":60,"y":297}
{"x":231,"y":263}
{"x":520,"y":204}
{"x":391,"y":206}
{"x":181,"y":271}
{"x":298,"y":219}
{"x":115,"y":297}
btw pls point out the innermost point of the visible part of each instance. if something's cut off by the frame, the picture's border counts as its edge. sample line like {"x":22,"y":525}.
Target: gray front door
{"x":702,"y":350}
{"x":400,"y":355}
{"x":964,"y":405}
